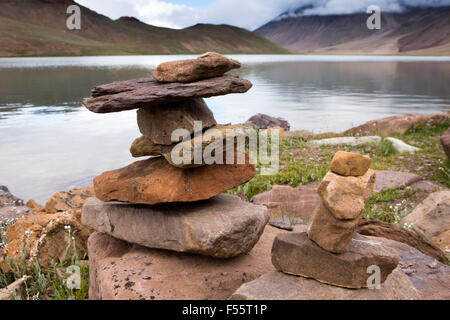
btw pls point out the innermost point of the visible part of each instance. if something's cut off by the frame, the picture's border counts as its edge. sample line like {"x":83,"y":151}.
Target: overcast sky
{"x":249,"y":14}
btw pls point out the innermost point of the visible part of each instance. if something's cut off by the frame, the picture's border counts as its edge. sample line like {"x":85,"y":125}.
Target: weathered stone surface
{"x":263,"y":121}
{"x":8,"y":214}
{"x":445,"y":141}
{"x":350,"y":164}
{"x":431,"y":219}
{"x":68,"y":200}
{"x":121,"y":271}
{"x":394,"y":180}
{"x":33,"y":205}
{"x":45,"y":237}
{"x":155,"y":181}
{"x":212,"y":146}
{"x":147,"y":93}
{"x":286,"y":223}
{"x":159,"y":122}
{"x":296,"y":254}
{"x":279,"y":286}
{"x":7,"y":199}
{"x":346,"y":197}
{"x":330,"y":233}
{"x":376,"y":228}
{"x":401,"y":146}
{"x":288,"y":201}
{"x":144,"y":147}
{"x":222,"y":227}
{"x":352,"y":141}
{"x":208,"y":65}
{"x":397,"y":124}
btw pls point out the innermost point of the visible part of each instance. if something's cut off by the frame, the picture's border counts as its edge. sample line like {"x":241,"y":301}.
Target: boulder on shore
{"x":445,"y":141}
{"x":222,"y":227}
{"x":263,"y":121}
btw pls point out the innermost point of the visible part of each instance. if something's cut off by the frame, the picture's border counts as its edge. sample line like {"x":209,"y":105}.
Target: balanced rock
{"x":346,"y":197}
{"x":208,"y":65}
{"x":329,"y":233}
{"x":147,"y":93}
{"x":279,"y":286}
{"x":154,"y":181}
{"x":445,"y":141}
{"x":159,"y":122}
{"x":221,"y":227}
{"x":296,"y":254}
{"x":350,"y":164}
{"x":143,"y":147}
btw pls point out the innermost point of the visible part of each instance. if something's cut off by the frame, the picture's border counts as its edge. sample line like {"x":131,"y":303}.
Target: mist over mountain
{"x":412,"y":29}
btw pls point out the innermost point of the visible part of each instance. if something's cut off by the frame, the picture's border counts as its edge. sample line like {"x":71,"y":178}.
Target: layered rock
{"x":222,"y":227}
{"x":159,"y":122}
{"x":208,"y":65}
{"x":155,"y":181}
{"x":147,"y":93}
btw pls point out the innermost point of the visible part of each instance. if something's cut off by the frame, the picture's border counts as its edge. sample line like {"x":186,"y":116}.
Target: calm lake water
{"x":49,"y":142}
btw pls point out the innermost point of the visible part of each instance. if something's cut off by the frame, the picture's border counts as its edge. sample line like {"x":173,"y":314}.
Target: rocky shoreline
{"x":217,"y":246}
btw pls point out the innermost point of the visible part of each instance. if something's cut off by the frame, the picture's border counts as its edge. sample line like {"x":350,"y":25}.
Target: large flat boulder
{"x":159,"y":122}
{"x":395,"y":180}
{"x":121,"y":271}
{"x":222,"y":227}
{"x":431,"y":219}
{"x":154,"y":181}
{"x":279,"y":286}
{"x":296,"y":254}
{"x":147,"y":93}
{"x":208,"y":65}
{"x":397,"y":124}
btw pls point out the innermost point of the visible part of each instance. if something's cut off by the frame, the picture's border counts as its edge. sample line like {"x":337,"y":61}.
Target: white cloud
{"x":249,"y":14}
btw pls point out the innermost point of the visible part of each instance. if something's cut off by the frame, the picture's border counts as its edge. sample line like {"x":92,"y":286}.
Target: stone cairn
{"x":159,"y":203}
{"x":330,"y":251}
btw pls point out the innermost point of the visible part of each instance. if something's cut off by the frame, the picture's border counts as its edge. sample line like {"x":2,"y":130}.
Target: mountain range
{"x":38,"y":27}
{"x":421,"y":31}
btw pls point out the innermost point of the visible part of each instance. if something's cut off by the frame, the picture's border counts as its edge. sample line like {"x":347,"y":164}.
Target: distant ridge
{"x":415,"y":31}
{"x":38,"y":27}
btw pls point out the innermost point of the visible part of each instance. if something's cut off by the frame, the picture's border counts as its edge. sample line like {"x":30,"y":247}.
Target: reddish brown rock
{"x":159,"y":122}
{"x":147,"y":93}
{"x":296,"y":254}
{"x":376,"y":228}
{"x":397,"y":124}
{"x":121,"y":271}
{"x":45,"y":237}
{"x":155,"y":181}
{"x":68,"y":200}
{"x":431,"y":219}
{"x":329,"y":233}
{"x":394,"y":180}
{"x":221,"y":227}
{"x":208,"y":65}
{"x":445,"y":141}
{"x":280,"y":286}
{"x":346,"y":197}
{"x":144,"y":147}
{"x":288,"y":201}
{"x":350,"y":164}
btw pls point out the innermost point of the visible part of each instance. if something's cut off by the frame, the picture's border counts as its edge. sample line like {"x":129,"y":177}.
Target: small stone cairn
{"x":159,"y":202}
{"x":330,"y":251}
